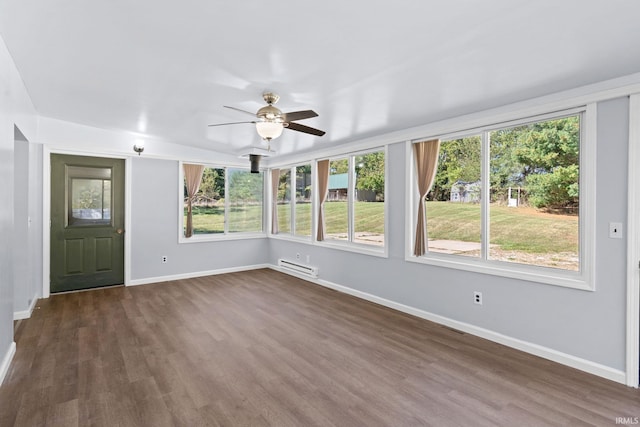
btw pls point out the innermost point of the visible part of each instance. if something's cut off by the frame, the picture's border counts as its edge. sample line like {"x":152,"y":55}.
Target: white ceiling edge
{"x":580,"y":96}
{"x":62,"y":135}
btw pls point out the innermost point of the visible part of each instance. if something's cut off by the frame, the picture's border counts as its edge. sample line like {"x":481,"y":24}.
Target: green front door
{"x":87,"y":222}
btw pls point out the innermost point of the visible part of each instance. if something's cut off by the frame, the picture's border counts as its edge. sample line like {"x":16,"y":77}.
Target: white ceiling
{"x":367,"y":67}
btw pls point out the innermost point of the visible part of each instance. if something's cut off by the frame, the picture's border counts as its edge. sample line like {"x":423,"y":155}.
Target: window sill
{"x":355,"y":247}
{"x":292,"y":238}
{"x":203,"y":238}
{"x":549,"y":276}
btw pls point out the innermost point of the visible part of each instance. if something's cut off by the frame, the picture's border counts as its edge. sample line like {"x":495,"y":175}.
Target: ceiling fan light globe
{"x":269,"y":130}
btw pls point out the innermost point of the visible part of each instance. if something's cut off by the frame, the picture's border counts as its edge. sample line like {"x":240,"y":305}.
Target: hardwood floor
{"x":263,"y":348}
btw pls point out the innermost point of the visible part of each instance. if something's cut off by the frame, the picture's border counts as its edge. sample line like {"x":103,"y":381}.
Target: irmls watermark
{"x":628,"y":421}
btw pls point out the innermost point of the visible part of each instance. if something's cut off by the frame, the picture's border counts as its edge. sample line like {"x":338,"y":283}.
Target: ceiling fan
{"x":271,"y":121}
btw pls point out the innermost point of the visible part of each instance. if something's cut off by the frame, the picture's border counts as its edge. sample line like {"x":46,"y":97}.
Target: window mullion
{"x":351,"y":199}
{"x":227,"y":203}
{"x":292,"y":198}
{"x":485,"y":198}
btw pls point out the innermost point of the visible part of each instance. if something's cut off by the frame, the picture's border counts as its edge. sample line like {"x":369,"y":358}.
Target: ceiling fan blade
{"x":242,"y":111}
{"x":306,"y":129}
{"x":231,"y":123}
{"x":299,"y":115}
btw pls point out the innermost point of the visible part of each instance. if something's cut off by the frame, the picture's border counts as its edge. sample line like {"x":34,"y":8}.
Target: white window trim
{"x":633,"y":245}
{"x":226,"y":235}
{"x":583,"y":280}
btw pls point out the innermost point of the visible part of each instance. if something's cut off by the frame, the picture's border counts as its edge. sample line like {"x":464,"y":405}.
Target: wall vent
{"x":305,"y":270}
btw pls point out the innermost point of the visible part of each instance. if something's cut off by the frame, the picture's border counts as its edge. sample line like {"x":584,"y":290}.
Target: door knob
{"x":119,"y":231}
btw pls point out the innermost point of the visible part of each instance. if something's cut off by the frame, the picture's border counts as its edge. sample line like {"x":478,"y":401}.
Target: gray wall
{"x":35,"y":225}
{"x":27,"y":241}
{"x":589,"y":325}
{"x":16,"y":109}
{"x":154,"y":229}
{"x":20,"y":240}
{"x":6,"y":229}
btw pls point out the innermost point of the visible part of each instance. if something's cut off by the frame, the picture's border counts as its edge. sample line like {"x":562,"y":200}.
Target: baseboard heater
{"x":305,"y":270}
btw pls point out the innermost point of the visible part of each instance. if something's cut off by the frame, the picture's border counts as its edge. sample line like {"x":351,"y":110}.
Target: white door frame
{"x":633,"y":245}
{"x":46,"y":212}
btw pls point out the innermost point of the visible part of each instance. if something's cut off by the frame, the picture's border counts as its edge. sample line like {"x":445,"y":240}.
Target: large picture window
{"x":226,"y":200}
{"x":354,"y":207}
{"x":510,"y":195}
{"x":535,"y":193}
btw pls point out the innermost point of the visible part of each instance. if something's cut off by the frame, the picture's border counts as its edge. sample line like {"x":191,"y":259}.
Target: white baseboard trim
{"x":25,"y":314}
{"x":6,"y":362}
{"x":531,"y":348}
{"x":191,"y":275}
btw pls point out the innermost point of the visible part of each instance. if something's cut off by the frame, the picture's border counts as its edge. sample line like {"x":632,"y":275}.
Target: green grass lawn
{"x":518,"y":229}
{"x":207,"y":220}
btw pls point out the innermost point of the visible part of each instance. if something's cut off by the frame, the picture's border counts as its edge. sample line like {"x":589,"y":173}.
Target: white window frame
{"x":226,"y":235}
{"x":584,"y":279}
{"x":350,"y":245}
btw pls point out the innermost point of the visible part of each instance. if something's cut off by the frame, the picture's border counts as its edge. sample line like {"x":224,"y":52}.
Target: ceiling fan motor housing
{"x":270,"y":113}
{"x":270,"y":97}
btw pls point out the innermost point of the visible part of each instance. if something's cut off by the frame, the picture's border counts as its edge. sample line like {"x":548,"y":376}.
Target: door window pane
{"x":89,"y":196}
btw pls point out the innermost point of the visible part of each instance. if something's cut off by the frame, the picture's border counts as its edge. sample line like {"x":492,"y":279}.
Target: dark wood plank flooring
{"x":265,"y":349}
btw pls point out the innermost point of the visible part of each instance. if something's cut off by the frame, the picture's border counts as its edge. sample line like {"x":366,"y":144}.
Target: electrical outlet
{"x":477,"y":298}
{"x":164,"y":259}
{"x":615,"y":230}
{"x":298,"y":256}
{"x":308,"y":259}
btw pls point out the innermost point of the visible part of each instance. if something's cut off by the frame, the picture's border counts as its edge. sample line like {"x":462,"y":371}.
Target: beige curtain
{"x":275,"y":180}
{"x":323,"y":187}
{"x":426,"y":155}
{"x":192,"y":178}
